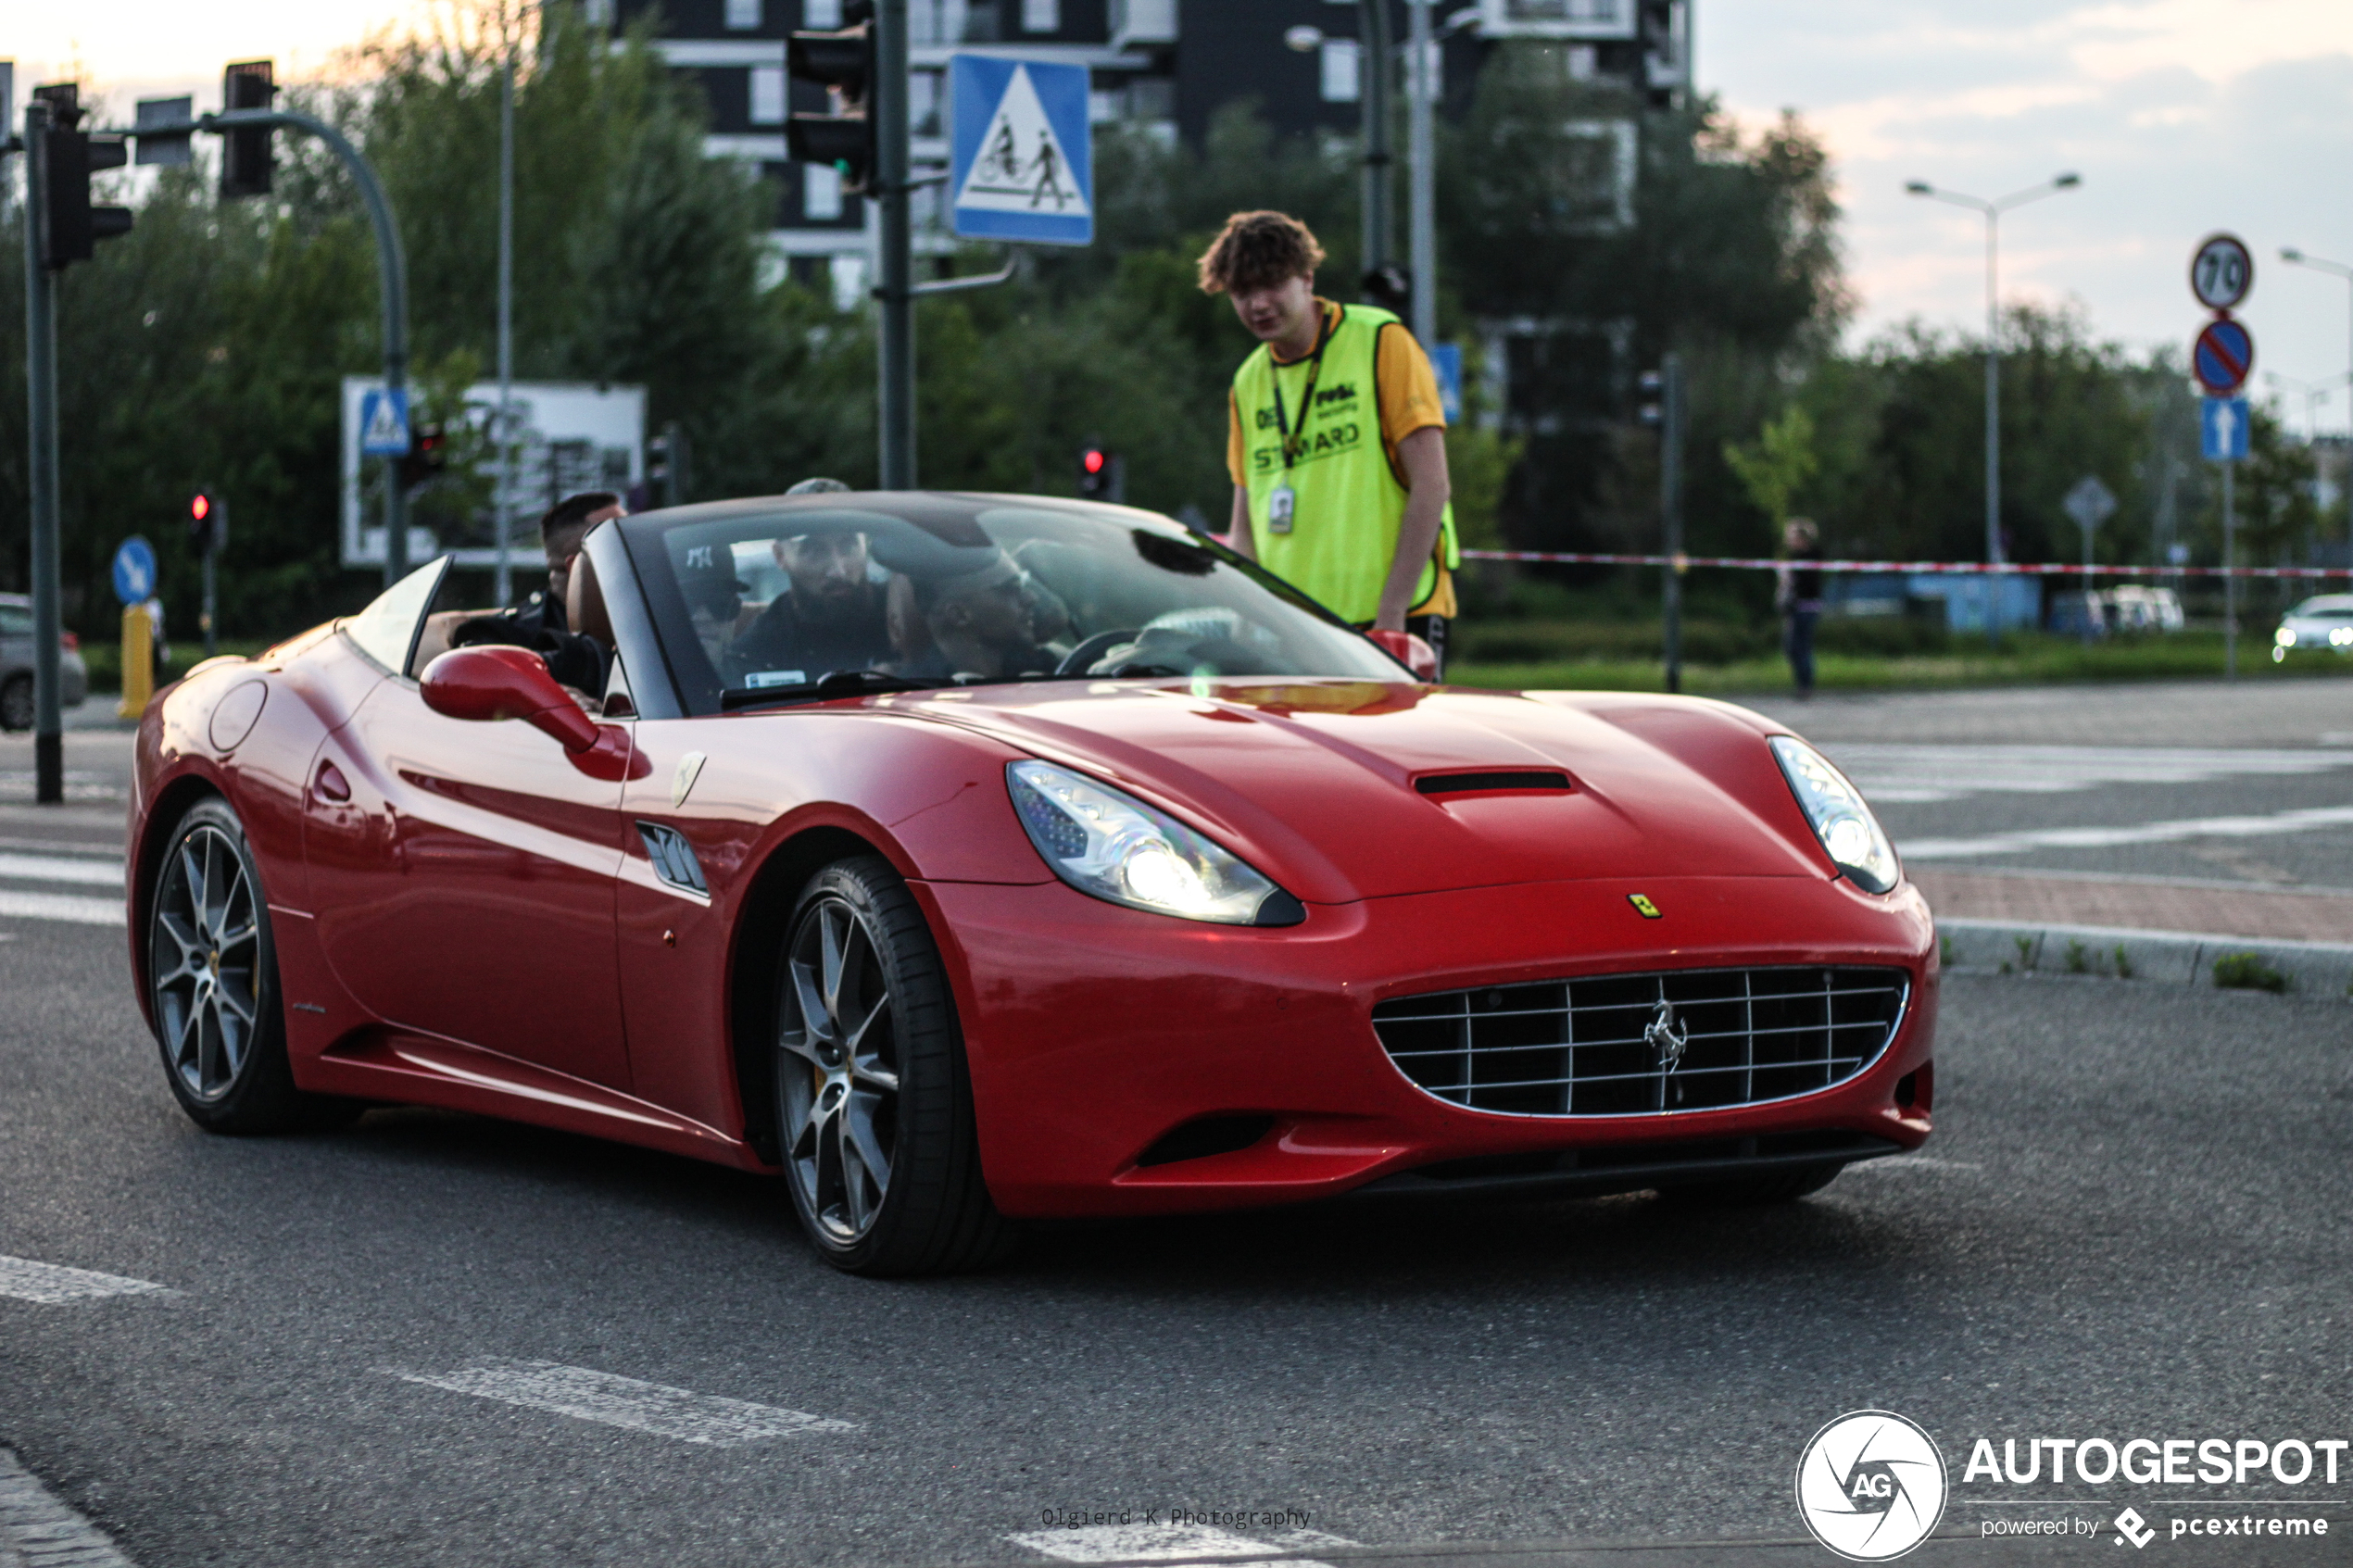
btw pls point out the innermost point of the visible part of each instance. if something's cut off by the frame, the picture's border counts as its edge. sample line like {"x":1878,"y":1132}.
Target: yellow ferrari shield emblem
{"x":1642,"y":905}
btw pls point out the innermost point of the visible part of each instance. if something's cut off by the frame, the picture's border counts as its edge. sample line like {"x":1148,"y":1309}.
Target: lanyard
{"x":1291,"y":443}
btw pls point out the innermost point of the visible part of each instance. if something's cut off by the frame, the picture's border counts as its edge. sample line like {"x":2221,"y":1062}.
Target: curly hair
{"x":1257,"y":250}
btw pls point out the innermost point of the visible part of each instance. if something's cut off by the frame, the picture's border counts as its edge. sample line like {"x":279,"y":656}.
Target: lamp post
{"x":1992,"y":211}
{"x":2296,"y":258}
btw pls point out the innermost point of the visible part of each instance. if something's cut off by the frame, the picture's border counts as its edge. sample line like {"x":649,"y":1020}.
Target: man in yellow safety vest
{"x":1337,"y":441}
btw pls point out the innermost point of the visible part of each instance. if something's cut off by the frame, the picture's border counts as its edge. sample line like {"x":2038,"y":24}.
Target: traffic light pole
{"x":219,"y":520}
{"x":1378,"y":69}
{"x":1671,"y":495}
{"x":41,"y":424}
{"x":392,"y":270}
{"x":896,"y":297}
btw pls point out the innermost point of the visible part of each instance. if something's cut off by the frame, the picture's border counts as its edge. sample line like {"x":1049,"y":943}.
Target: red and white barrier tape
{"x":1916,"y":567}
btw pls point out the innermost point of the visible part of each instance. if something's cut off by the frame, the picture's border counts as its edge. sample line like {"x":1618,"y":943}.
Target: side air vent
{"x":1463,"y":784}
{"x":674,"y":859}
{"x":1205,"y":1135}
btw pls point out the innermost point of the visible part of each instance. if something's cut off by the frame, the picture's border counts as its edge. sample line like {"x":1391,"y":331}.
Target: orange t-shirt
{"x":1407,"y":388}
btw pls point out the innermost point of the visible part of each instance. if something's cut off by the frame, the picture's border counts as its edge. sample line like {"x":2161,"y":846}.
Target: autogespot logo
{"x":1870,"y":1485}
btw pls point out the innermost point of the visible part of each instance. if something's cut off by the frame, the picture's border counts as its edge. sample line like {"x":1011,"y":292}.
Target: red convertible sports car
{"x":968,"y":858}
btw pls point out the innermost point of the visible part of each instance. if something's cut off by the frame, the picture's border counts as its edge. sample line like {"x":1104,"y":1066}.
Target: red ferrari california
{"x":969,"y":858}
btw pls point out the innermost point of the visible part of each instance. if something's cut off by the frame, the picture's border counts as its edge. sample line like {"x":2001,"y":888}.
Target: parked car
{"x":15,"y":665}
{"x":2320,"y":624}
{"x":2129,"y":608}
{"x":1034,"y":858}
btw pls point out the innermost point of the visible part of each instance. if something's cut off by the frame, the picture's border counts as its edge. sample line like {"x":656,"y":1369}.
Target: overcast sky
{"x":2183,"y":115}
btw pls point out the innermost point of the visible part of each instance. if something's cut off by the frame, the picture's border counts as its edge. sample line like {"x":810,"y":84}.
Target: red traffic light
{"x":1092,"y":459}
{"x":201,"y":508}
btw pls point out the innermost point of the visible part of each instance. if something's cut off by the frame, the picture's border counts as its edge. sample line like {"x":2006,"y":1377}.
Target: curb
{"x":2175,"y":957}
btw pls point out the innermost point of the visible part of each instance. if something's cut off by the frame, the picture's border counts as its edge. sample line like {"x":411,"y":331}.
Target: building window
{"x":1342,"y":83}
{"x":820,"y":192}
{"x":847,"y":274}
{"x":821,"y":16}
{"x":767,"y":95}
{"x":743,"y":16}
{"x":1041,"y":16}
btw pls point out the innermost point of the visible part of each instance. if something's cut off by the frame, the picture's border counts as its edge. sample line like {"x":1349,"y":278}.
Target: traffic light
{"x":666,"y":465}
{"x":1653,"y":410}
{"x":427,"y":458}
{"x":208,"y":522}
{"x":246,"y":152}
{"x":843,"y":64}
{"x":1098,"y":474}
{"x":69,"y":227}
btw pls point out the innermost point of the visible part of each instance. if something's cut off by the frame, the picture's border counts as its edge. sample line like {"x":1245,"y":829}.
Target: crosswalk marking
{"x":87,"y":871}
{"x":2309,"y":820}
{"x":60,"y":906}
{"x":39,"y":1530}
{"x":1160,"y":1542}
{"x":60,"y":870}
{"x":1903,"y":774}
{"x":655,"y":1408}
{"x":53,"y":1285}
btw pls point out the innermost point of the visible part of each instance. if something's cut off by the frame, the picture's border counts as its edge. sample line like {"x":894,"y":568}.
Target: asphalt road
{"x":2130,"y":1223}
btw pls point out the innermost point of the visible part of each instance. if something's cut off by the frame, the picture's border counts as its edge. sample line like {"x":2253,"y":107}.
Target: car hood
{"x":1321,"y":783}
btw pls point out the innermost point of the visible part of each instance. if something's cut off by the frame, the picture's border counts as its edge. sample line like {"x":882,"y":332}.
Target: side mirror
{"x":484,"y":684}
{"x":1408,"y":650}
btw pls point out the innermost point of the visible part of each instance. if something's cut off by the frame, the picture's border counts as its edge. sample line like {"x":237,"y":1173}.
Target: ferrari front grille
{"x":1643,"y":1045}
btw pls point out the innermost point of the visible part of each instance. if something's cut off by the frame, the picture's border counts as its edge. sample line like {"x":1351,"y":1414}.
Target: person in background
{"x":1798,"y":593}
{"x":1335,"y":438}
{"x":539,"y":622}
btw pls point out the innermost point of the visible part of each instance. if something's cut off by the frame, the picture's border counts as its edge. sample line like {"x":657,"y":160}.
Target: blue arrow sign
{"x":1022,"y":161}
{"x":383,"y":422}
{"x":135,"y":571}
{"x":2222,"y":422}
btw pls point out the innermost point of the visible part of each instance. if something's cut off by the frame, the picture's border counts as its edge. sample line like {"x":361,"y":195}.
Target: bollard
{"x":138,"y":662}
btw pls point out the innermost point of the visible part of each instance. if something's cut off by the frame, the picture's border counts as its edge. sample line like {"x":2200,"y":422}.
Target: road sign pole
{"x":1377,"y":68}
{"x":211,"y":637}
{"x":1670,"y":488}
{"x":2229,"y":583}
{"x":895,"y":297}
{"x":41,"y":426}
{"x":504,"y":582}
{"x":1421,"y":179}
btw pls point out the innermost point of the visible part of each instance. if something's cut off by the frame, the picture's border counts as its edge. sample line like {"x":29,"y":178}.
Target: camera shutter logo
{"x":1870,"y":1485}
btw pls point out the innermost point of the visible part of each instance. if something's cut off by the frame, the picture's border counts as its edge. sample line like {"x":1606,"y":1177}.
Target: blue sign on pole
{"x":2222,"y":422}
{"x":135,"y":571}
{"x":383,"y":422}
{"x":1446,"y":358}
{"x":1023,"y":163}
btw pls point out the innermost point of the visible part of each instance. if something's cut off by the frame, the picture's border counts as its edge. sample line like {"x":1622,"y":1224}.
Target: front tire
{"x":212,"y":981}
{"x":873,"y":1105}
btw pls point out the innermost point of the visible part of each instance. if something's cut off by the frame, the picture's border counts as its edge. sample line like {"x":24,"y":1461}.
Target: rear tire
{"x":212,"y":982}
{"x":16,"y":704}
{"x":874,"y":1101}
{"x":1755,"y":1192}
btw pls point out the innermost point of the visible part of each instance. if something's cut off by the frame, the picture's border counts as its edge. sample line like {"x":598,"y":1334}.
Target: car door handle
{"x":332,"y":785}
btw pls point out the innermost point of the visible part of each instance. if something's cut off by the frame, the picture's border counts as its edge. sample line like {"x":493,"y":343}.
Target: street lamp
{"x":2296,"y":258}
{"x":1992,"y":211}
{"x":2314,"y":394}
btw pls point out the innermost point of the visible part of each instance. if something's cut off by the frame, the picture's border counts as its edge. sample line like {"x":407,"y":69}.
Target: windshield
{"x":782,"y":600}
{"x":2328,"y":604}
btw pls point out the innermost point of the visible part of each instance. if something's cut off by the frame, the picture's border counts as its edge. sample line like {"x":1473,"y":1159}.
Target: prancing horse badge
{"x":1642,"y":905}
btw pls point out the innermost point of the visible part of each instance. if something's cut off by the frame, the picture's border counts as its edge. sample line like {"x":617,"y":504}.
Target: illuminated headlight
{"x":2286,"y":637}
{"x":1857,"y":846}
{"x":2342,"y":636}
{"x":1111,"y":844}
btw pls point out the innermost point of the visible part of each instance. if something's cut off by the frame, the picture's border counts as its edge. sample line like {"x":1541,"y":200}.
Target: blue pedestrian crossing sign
{"x":1446,"y":364}
{"x":135,"y":571}
{"x":2223,"y":422}
{"x":383,"y":422}
{"x":1023,"y":163}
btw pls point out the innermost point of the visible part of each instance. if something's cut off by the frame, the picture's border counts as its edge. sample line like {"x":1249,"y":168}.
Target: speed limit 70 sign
{"x":2222,"y":272}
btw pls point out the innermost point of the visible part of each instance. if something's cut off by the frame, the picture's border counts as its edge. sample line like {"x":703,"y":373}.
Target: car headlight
{"x":1857,"y":845}
{"x":2285,"y":636}
{"x":1112,"y":845}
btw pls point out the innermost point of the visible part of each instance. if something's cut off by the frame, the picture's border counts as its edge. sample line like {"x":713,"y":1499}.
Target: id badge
{"x":1279,"y":506}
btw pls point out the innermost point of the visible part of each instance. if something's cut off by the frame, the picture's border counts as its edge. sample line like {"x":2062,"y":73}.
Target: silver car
{"x":2320,"y":624}
{"x":15,"y":665}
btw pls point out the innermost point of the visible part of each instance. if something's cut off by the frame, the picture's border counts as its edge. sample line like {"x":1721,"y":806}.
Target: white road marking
{"x":60,"y":906}
{"x":2309,"y":820}
{"x":1913,"y":773}
{"x":40,"y":1531}
{"x":656,"y":1408}
{"x":1913,"y":1162}
{"x":57,"y":868}
{"x":1133,"y":1543}
{"x":51,"y":1284}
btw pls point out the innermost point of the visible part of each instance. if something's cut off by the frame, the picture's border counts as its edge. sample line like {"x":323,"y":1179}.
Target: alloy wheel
{"x":837,"y":1066}
{"x":208,"y":956}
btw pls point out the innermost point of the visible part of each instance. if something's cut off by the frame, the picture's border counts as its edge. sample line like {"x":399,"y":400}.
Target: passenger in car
{"x":982,"y":622}
{"x":541,"y":623}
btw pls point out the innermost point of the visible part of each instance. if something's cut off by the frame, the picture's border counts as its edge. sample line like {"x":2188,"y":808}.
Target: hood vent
{"x":1459,"y":783}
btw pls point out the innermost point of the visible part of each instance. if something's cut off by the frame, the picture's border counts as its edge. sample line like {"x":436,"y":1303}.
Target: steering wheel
{"x":1076,"y":661}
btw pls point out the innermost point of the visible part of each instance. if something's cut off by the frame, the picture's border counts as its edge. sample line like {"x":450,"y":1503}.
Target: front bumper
{"x":1095,"y":1031}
